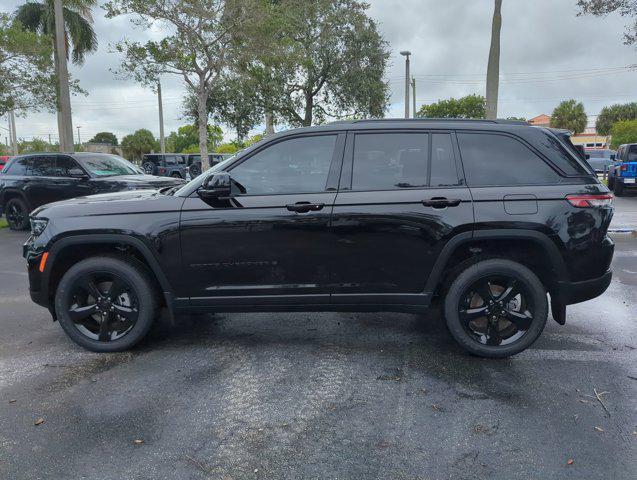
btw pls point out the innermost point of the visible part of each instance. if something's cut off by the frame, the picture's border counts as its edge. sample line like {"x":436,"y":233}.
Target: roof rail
{"x":421,"y":120}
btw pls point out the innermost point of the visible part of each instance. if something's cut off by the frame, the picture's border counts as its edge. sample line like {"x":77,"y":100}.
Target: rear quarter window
{"x":20,"y":166}
{"x":497,"y":159}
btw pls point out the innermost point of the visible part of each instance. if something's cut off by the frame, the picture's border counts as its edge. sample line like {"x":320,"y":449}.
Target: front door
{"x":402,"y":197}
{"x":270,"y":244}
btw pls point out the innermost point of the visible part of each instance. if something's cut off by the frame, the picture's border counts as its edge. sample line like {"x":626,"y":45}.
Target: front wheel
{"x":496,"y":308}
{"x":17,"y":214}
{"x":106,"y":304}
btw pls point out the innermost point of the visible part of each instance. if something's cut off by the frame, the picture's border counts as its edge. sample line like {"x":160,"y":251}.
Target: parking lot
{"x":328,"y":395}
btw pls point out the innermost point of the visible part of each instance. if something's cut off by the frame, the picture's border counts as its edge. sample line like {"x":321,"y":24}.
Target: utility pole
{"x":50,"y":139}
{"x":413,"y":96}
{"x":79,"y":139}
{"x":65,"y":123}
{"x":406,"y":53}
{"x":162,"y":140}
{"x":12,"y":133}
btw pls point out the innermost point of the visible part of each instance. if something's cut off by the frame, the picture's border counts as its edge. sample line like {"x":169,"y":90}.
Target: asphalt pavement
{"x":319,"y":395}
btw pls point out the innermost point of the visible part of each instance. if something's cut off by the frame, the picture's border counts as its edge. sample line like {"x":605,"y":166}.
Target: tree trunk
{"x":309,"y":105}
{"x":269,"y":123}
{"x":202,"y":121}
{"x":64,"y":97}
{"x":493,"y":69}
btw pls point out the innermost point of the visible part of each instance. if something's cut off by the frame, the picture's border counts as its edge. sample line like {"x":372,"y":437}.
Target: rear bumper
{"x":576,"y":292}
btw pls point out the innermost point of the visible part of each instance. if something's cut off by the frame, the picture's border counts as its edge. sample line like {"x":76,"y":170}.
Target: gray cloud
{"x":449,"y":40}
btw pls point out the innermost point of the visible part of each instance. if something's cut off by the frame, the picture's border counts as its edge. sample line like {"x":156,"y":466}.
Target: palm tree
{"x":493,"y":69}
{"x":38,"y":17}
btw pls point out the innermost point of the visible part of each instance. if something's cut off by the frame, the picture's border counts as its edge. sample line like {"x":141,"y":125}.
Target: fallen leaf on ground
{"x":570,"y":461}
{"x":39,"y":421}
{"x":138,"y":441}
{"x":12,"y":400}
{"x":599,"y":429}
{"x":436,"y":407}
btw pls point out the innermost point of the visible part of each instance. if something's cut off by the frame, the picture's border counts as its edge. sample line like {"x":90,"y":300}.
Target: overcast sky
{"x":548,"y":54}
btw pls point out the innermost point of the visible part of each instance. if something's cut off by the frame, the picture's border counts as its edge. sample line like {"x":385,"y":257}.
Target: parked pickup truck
{"x":623,"y":174}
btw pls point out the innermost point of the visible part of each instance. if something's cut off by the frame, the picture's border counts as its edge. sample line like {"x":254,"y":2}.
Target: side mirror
{"x":77,"y":173}
{"x":216,"y":186}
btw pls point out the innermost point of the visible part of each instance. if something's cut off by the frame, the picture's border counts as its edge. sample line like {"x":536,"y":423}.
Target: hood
{"x":141,"y":181}
{"x":129,"y":201}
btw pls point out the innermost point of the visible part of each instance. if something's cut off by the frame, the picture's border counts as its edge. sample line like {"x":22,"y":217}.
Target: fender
{"x":505,"y":234}
{"x":13,"y":192}
{"x":114,"y":239}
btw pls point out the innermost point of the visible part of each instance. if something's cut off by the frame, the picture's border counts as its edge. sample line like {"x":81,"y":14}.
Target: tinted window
{"x":632,"y":153}
{"x":388,"y":161}
{"x":299,"y":165}
{"x":63,"y":165}
{"x":491,"y":159}
{"x":43,"y":167}
{"x":107,"y":165}
{"x":19,"y":166}
{"x":443,"y":162}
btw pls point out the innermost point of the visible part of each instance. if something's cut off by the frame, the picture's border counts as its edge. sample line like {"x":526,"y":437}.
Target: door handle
{"x":441,"y":202}
{"x":304,"y":207}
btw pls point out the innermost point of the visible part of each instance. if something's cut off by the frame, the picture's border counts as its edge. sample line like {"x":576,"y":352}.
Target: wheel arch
{"x":467,"y":245}
{"x":66,"y":249}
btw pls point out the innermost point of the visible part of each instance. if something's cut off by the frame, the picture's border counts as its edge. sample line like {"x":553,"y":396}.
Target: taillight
{"x":624,"y":167}
{"x":590,"y":201}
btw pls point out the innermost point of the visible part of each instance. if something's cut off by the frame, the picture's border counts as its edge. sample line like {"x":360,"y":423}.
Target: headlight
{"x":38,"y":225}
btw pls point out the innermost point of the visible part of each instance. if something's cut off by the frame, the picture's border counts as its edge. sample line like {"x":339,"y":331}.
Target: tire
{"x":611,"y":182}
{"x":532,"y":297}
{"x":138,"y":288}
{"x":149,"y":168}
{"x":195,"y":170}
{"x":618,"y":189}
{"x":175,"y":175}
{"x":17,"y":214}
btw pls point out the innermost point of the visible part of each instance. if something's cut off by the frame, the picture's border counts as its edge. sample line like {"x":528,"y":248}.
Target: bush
{"x":624,"y":132}
{"x":227,"y":148}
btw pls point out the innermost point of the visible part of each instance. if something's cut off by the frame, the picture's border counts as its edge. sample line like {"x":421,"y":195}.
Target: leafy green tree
{"x":186,"y":139}
{"x":600,"y":8}
{"x":138,"y":143}
{"x":318,"y":59}
{"x":228,"y":148}
{"x":35,"y":145}
{"x":615,"y":113}
{"x":104,"y":137}
{"x":26,"y":68}
{"x":570,"y":115}
{"x":197,"y":45}
{"x":624,"y":131}
{"x":470,"y":106}
{"x":38,"y":17}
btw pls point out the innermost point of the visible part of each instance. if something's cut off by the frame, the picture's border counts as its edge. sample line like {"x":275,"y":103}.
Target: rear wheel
{"x":195,"y":170}
{"x":149,"y":168}
{"x":17,"y":214}
{"x":618,"y":188}
{"x":496,"y":308}
{"x":106,"y":304}
{"x":175,"y":175}
{"x":611,"y":182}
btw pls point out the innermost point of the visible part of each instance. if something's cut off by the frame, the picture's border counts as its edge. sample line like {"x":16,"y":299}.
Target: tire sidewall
{"x":22,"y":205}
{"x":496,"y":267}
{"x":138,"y":282}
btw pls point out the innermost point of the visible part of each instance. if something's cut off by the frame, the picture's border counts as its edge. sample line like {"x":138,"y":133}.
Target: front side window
{"x":388,"y":161}
{"x":298,"y":165}
{"x":63,"y":165}
{"x":492,"y":159}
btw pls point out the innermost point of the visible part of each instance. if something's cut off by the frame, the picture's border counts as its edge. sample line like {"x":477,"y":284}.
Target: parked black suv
{"x":490,"y":216}
{"x":29,"y":181}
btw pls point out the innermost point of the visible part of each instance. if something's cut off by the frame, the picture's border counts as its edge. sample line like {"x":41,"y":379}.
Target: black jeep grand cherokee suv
{"x":353,"y":216}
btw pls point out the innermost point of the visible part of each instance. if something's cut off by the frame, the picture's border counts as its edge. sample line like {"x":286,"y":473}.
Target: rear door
{"x":402,"y":196}
{"x":42,"y":187}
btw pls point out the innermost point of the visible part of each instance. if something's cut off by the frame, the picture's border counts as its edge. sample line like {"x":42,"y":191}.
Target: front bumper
{"x":576,"y":292}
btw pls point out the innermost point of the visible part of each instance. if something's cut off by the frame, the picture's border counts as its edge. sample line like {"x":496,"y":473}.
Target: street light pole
{"x":406,"y":53}
{"x":65,"y":124}
{"x":413,"y":96}
{"x":79,"y":139}
{"x":162,"y":141}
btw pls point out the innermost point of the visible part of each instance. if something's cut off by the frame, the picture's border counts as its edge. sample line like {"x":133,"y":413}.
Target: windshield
{"x":599,"y":153}
{"x":107,"y":165}
{"x":199,"y":179}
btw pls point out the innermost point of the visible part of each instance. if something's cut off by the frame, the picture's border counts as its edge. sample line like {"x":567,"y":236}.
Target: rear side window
{"x":492,"y":159}
{"x":388,"y":161}
{"x":632,"y":153}
{"x":20,"y":166}
{"x":43,"y":166}
{"x":443,"y":161}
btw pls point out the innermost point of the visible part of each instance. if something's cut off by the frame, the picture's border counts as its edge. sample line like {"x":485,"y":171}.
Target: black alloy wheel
{"x":107,"y":303}
{"x":17,"y":214}
{"x":104,"y":307}
{"x":496,"y":308}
